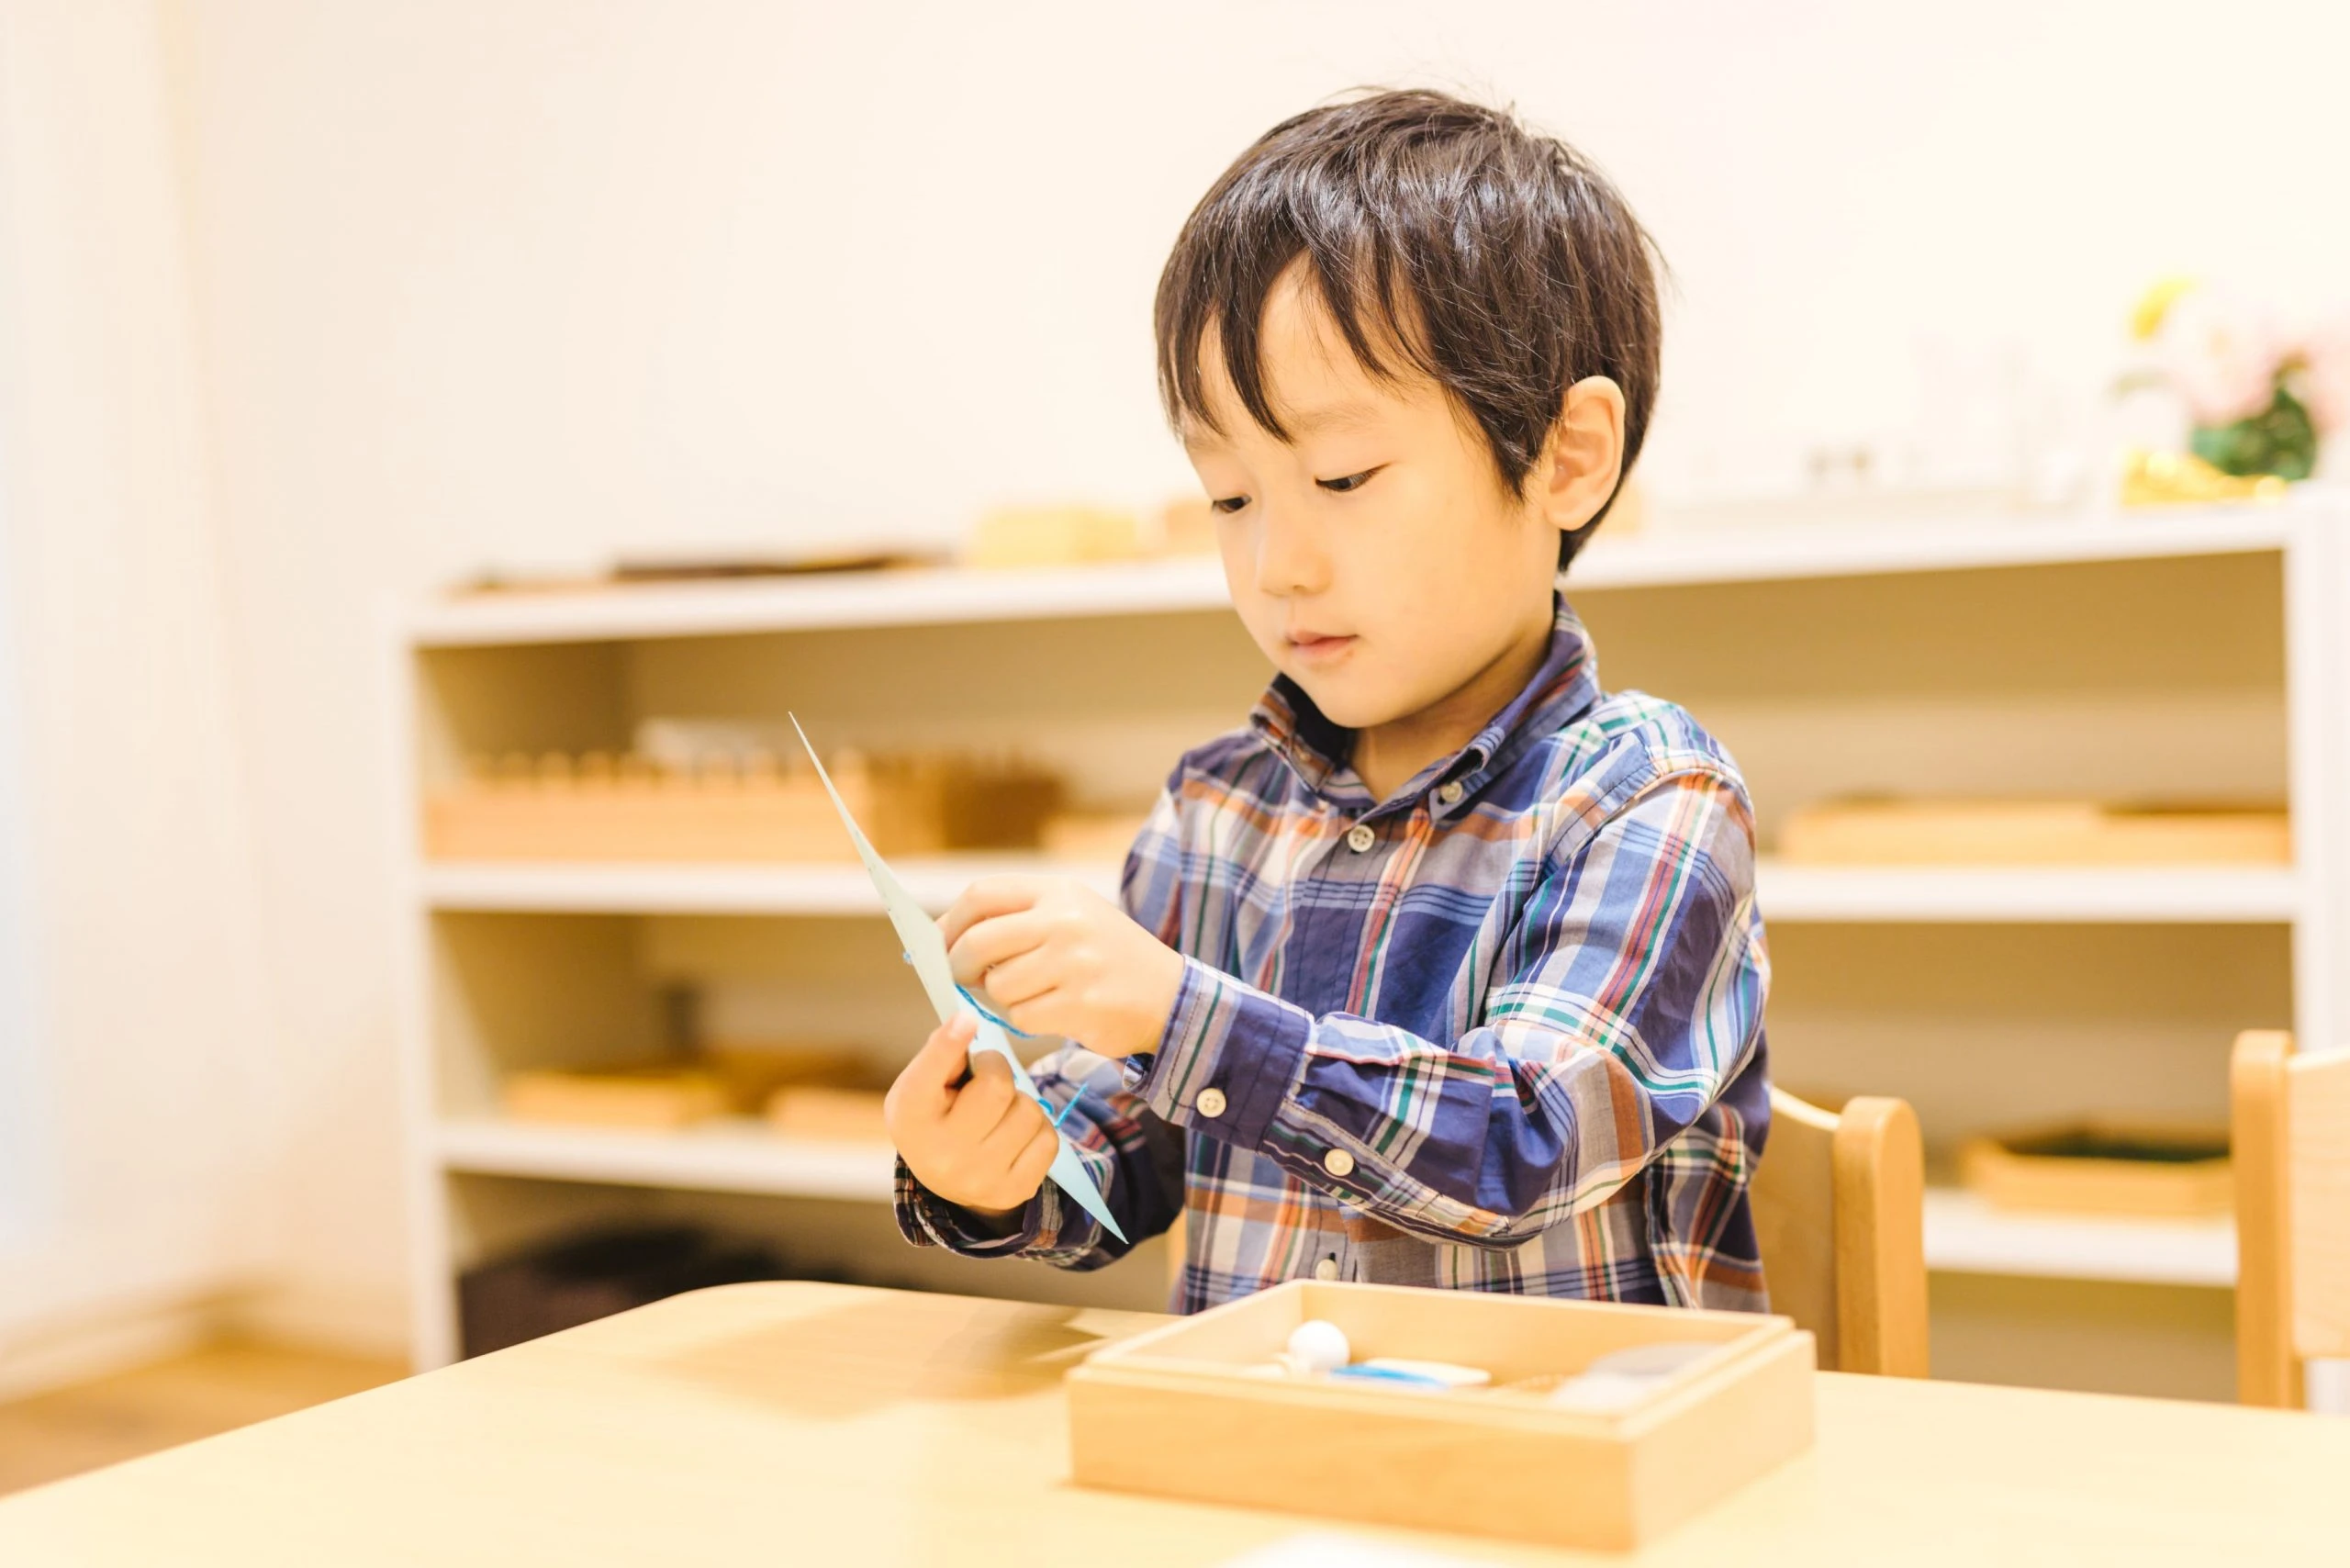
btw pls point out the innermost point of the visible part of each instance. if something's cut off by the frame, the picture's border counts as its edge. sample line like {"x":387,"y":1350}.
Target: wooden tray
{"x":652,"y":1099}
{"x":2031,"y":833}
{"x":1175,"y":1413}
{"x":2179,"y":1173}
{"x":663,"y":1095}
{"x":837,"y":1115}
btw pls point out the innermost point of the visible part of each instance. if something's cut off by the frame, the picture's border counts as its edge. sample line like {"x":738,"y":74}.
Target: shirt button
{"x":1449,"y":793}
{"x":1339,"y":1162}
{"x":1327,"y":1269}
{"x":1360,"y":837}
{"x":1210,"y":1103}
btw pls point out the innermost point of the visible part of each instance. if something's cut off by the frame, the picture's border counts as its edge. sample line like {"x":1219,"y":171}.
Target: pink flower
{"x":2324,"y":383}
{"x":2221,"y":352}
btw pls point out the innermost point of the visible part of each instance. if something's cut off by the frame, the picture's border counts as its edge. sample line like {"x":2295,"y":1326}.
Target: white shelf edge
{"x":1814,"y":894}
{"x":1964,"y":1235}
{"x":1768,"y":552}
{"x":524,"y":886}
{"x":1665,"y":557}
{"x":737,"y":1156}
{"x":2129,"y":895}
{"x":915,"y":596}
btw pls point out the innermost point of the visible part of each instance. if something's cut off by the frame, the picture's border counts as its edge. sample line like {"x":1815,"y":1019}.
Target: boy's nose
{"x":1288,"y":565}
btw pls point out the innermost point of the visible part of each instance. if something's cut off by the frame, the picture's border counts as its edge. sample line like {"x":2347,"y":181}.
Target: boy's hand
{"x":1055,"y":957}
{"x":984,"y":1147}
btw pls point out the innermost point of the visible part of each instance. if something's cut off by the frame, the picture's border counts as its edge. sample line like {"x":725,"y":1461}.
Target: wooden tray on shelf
{"x":601,"y":807}
{"x":2032,"y":833}
{"x":665,"y":1095}
{"x":1179,"y":1412}
{"x":2152,"y":1170}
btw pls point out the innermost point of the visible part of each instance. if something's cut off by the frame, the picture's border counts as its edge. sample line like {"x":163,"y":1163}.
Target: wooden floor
{"x":51,"y":1436}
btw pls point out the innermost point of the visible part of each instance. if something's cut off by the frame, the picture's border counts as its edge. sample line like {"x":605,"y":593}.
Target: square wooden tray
{"x":2040,"y":1170}
{"x":1174,"y":1412}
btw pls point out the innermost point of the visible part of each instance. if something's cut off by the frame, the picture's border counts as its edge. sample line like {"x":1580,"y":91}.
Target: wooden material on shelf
{"x":599,"y":808}
{"x":650,"y":1098}
{"x":1053,"y":536}
{"x":2031,"y":833}
{"x":654,"y":1096}
{"x":1839,"y":1207}
{"x":2291,"y":1124}
{"x":1175,"y":1414}
{"x":2183,"y":1174}
{"x":743,"y":1426}
{"x":839,"y":1115}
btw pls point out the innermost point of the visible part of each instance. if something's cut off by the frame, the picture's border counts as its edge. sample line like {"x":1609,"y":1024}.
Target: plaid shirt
{"x":1503,"y":1031}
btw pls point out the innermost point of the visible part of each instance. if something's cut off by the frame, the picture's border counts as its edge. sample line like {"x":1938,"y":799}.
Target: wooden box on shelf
{"x":1180,"y":1412}
{"x":2032,"y":833}
{"x":598,"y":807}
{"x":666,"y":1095}
{"x":2152,"y":1170}
{"x":652,"y":1098}
{"x":827,"y":1113}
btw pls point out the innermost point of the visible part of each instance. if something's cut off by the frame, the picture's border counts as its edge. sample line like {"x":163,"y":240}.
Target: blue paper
{"x":926,"y":951}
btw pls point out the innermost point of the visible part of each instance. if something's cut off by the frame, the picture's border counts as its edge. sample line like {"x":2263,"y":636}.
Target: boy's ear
{"x":1584,"y":455}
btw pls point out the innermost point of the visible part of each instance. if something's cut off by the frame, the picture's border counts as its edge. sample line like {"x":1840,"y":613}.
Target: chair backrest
{"x":2289,"y":1118}
{"x":1839,"y":1206}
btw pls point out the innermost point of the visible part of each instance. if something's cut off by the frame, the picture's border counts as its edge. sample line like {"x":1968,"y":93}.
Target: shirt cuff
{"x":928,"y":1220}
{"x":1230,"y":1060}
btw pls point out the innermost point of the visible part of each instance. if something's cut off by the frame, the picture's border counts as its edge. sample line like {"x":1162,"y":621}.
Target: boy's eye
{"x":1350,"y":482}
{"x":1226,"y":505}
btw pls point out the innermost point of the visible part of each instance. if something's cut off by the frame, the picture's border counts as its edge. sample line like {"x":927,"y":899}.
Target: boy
{"x":1446,"y":970}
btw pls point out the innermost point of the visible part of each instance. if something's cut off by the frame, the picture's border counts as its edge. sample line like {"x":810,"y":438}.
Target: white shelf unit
{"x":528,"y":672}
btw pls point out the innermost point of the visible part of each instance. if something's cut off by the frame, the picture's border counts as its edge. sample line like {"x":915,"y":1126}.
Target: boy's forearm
{"x":1485,"y":1139}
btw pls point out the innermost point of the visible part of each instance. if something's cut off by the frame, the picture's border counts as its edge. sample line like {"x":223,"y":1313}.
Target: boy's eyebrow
{"x":1335,"y":417}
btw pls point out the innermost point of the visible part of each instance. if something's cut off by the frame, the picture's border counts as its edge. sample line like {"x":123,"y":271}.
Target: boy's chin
{"x":1353,"y":704}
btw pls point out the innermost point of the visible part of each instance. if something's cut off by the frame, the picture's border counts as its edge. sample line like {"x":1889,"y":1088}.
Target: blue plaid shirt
{"x":1501,"y":1030}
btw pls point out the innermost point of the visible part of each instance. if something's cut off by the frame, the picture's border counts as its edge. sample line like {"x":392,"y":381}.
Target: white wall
{"x":532,"y":281}
{"x":136,"y":1064}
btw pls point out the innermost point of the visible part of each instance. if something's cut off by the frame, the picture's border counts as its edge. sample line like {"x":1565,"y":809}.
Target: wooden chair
{"x":2289,"y":1120}
{"x":1840,"y":1207}
{"x":1839,"y":1203}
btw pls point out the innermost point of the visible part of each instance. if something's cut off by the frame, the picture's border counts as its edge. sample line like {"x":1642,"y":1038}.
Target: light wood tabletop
{"x":788,"y":1424}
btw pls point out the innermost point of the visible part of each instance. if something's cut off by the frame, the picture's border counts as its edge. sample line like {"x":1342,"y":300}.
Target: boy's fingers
{"x":993,"y":941}
{"x":1019,"y":980}
{"x":1036,"y":1157}
{"x":979,"y":1104}
{"x":941,"y":1061}
{"x":986,"y":898}
{"x":1019,"y":1123}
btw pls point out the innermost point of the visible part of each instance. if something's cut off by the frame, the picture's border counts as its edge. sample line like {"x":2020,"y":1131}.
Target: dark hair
{"x":1491,"y":259}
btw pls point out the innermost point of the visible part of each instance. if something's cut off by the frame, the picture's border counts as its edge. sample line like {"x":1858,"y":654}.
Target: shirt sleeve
{"x":1628,"y":994}
{"x":1132,"y":1154}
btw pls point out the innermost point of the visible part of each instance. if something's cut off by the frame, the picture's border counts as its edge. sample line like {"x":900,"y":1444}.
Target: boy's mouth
{"x":1318,"y":647}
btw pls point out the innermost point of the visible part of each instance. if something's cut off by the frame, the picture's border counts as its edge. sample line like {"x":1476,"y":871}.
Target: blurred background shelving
{"x":2187,"y":655}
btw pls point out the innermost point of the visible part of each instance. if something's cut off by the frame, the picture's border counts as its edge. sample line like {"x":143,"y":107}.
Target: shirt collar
{"x":1317,"y":750}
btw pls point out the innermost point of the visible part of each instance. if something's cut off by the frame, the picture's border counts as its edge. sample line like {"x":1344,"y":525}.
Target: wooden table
{"x":782,"y":1425}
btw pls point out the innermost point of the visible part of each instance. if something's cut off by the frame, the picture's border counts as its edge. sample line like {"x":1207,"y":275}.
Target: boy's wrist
{"x":1228,"y":1059}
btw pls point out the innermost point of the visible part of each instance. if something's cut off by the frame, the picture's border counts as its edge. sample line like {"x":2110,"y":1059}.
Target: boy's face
{"x":1375,"y":556}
